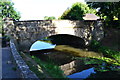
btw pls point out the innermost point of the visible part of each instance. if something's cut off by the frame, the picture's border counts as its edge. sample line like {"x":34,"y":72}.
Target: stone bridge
{"x":26,"y":32}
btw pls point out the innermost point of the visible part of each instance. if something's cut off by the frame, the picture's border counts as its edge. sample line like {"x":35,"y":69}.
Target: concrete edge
{"x":25,"y":72}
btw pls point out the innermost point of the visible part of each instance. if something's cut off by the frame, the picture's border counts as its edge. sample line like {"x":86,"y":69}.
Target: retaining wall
{"x":24,"y":70}
{"x":73,"y":67}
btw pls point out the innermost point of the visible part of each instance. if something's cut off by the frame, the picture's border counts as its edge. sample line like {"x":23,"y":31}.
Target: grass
{"x":44,"y":69}
{"x":99,"y":65}
{"x":33,"y":67}
{"x":106,"y":51}
{"x":52,"y":69}
{"x":110,"y":53}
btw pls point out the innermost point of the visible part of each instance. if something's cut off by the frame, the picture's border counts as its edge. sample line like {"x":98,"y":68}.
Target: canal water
{"x":82,"y":75}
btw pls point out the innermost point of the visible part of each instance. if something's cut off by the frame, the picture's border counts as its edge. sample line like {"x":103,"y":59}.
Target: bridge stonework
{"x":27,"y":32}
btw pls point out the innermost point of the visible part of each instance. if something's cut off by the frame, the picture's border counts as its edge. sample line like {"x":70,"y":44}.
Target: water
{"x":40,"y":45}
{"x":82,"y":75}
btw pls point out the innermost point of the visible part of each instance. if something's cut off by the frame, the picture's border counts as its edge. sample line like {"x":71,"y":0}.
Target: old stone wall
{"x":23,"y":68}
{"x":73,"y":67}
{"x":27,"y":32}
{"x":111,"y":38}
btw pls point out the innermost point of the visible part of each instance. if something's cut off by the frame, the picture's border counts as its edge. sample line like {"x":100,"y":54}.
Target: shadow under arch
{"x":67,"y":39}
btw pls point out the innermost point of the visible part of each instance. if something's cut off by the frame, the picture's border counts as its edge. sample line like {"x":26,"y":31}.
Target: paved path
{"x":9,"y":69}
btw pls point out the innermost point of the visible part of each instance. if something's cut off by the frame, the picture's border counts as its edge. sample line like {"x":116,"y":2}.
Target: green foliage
{"x":49,"y":66}
{"x":109,"y":60}
{"x":77,"y":11}
{"x":7,"y":10}
{"x":1,"y":25}
{"x":110,"y":53}
{"x":35,"y":70}
{"x":97,"y":47}
{"x":100,"y":64}
{"x":94,"y":45}
{"x":109,"y":11}
{"x":32,"y":67}
{"x":49,"y":18}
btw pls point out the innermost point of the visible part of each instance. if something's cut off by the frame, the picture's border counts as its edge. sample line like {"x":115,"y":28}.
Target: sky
{"x":37,"y":9}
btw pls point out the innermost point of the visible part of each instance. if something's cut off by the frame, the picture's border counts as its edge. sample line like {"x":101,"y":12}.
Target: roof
{"x":90,"y":17}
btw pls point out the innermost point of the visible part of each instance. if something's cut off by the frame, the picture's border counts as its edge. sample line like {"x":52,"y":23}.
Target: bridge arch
{"x":67,"y":39}
{"x":27,"y":32}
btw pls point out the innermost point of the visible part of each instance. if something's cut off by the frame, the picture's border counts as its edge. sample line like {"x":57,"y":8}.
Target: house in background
{"x":90,"y":17}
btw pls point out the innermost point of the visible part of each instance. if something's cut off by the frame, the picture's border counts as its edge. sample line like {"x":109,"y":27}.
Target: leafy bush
{"x":106,"y":51}
{"x":77,"y":11}
{"x":94,"y":46}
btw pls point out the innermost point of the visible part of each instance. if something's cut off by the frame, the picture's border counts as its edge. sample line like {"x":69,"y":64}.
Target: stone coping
{"x":25,"y":72}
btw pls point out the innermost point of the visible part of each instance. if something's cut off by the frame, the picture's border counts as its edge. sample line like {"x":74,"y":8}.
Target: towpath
{"x":9,"y":69}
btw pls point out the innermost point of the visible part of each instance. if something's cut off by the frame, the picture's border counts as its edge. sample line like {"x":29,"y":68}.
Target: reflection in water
{"x":40,"y":45}
{"x":82,"y":75}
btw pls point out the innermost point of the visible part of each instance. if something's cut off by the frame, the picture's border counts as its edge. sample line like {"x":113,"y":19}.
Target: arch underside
{"x":67,"y":39}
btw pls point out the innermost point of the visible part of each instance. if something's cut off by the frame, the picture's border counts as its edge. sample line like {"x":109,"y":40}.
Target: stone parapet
{"x":24,"y":70}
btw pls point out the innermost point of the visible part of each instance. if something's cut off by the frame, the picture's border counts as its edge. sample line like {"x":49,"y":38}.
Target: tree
{"x":49,"y":18}
{"x":7,"y":10}
{"x":77,"y":11}
{"x":109,"y":9}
